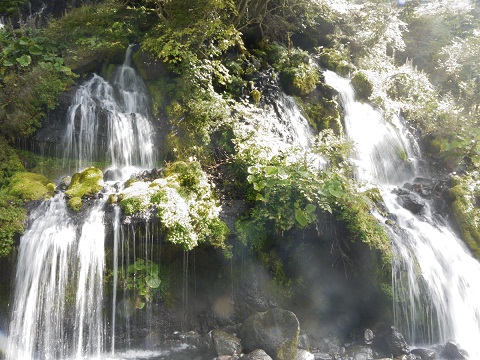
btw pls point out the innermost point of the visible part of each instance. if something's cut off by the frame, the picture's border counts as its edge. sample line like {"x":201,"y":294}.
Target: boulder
{"x":425,"y":354}
{"x":257,"y":355}
{"x":391,"y":342}
{"x":360,"y":352}
{"x":276,"y":331}
{"x":452,"y":351}
{"x":225,"y":343}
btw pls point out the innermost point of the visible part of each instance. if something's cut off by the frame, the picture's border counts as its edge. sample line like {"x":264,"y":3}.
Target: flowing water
{"x":108,"y":122}
{"x":58,"y":306}
{"x":435,"y":278}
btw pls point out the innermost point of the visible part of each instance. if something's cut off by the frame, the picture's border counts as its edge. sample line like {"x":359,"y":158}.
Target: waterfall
{"x":435,"y":278}
{"x":108,"y":122}
{"x":58,"y":306}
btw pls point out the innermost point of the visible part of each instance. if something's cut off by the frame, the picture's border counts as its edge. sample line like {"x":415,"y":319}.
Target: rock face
{"x":391,"y":342}
{"x":304,"y":355}
{"x":225,"y":343}
{"x":276,"y":331}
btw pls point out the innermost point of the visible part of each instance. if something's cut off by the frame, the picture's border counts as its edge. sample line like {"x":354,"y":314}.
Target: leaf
{"x":260,"y":197}
{"x":35,"y":50}
{"x":310,"y":208}
{"x":153,"y":281}
{"x":271,"y":170}
{"x":24,"y":60}
{"x":7,"y":63}
{"x":259,"y":185}
{"x":300,"y":217}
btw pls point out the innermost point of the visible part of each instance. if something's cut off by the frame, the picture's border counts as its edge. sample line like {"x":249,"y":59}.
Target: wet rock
{"x":425,"y":354}
{"x":412,"y":202}
{"x":225,"y":343}
{"x":257,"y":355}
{"x":360,"y":352}
{"x":391,"y":342}
{"x":276,"y":331}
{"x":452,"y":351}
{"x":304,"y":355}
{"x":368,"y":336}
{"x":304,"y":342}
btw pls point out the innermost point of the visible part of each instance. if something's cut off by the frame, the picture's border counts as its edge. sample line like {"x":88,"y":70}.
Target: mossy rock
{"x":466,"y":215}
{"x":333,"y":60}
{"x":363,"y":87}
{"x":30,"y":186}
{"x":88,"y":182}
{"x":75,"y":203}
{"x":149,"y":67}
{"x":300,"y":80}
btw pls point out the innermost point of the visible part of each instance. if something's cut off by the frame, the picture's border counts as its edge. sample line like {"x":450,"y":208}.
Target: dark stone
{"x":360,"y":352}
{"x":225,"y":343}
{"x":412,"y":203}
{"x":304,"y":342}
{"x":452,"y":351}
{"x":257,"y":355}
{"x":425,"y":354}
{"x":276,"y":331}
{"x":391,"y":342}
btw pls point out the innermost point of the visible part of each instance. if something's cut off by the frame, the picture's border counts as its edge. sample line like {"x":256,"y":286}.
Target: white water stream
{"x":435,"y":278}
{"x":58,"y":305}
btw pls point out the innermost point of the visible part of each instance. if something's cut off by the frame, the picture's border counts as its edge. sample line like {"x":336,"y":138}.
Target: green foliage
{"x":363,"y":87}
{"x":465,"y":195}
{"x":11,"y":7}
{"x":25,"y":48}
{"x":12,"y":219}
{"x":9,"y":163}
{"x":298,"y":75}
{"x":95,"y":33}
{"x":29,"y":186}
{"x":143,"y":277}
{"x":185,"y":204}
{"x":292,"y":193}
{"x":88,"y":182}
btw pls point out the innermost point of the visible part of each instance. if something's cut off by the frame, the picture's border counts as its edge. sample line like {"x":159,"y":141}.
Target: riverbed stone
{"x":452,"y":351}
{"x":425,"y":354}
{"x":391,"y":342}
{"x":304,"y":355}
{"x":276,"y":331}
{"x":257,"y":354}
{"x":225,"y":343}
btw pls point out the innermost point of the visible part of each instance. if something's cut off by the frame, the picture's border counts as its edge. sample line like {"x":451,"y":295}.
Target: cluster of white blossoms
{"x":187,"y":214}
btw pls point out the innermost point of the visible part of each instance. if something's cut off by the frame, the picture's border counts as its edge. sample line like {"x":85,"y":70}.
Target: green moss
{"x":467,"y":217}
{"x":363,"y":87}
{"x":75,"y":203}
{"x":88,"y":182}
{"x":12,"y":219}
{"x":29,"y":186}
{"x":256,"y":95}
{"x":332,"y":59}
{"x":299,"y":79}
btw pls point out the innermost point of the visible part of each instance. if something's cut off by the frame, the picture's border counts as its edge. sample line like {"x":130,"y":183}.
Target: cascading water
{"x":108,"y":122}
{"x":58,"y":303}
{"x":435,"y":278}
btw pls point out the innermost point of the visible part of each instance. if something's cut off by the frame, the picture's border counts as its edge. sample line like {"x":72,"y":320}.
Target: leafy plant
{"x":143,"y":277}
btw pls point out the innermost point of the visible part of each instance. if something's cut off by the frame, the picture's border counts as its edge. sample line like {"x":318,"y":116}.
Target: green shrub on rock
{"x":185,"y":204}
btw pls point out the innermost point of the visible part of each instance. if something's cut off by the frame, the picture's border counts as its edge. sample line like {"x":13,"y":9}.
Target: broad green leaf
{"x":35,"y":50}
{"x":153,"y":281}
{"x":24,"y":60}
{"x":259,"y":185}
{"x":300,"y":217}
{"x":140,"y":305}
{"x":271,"y":170}
{"x":310,"y":208}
